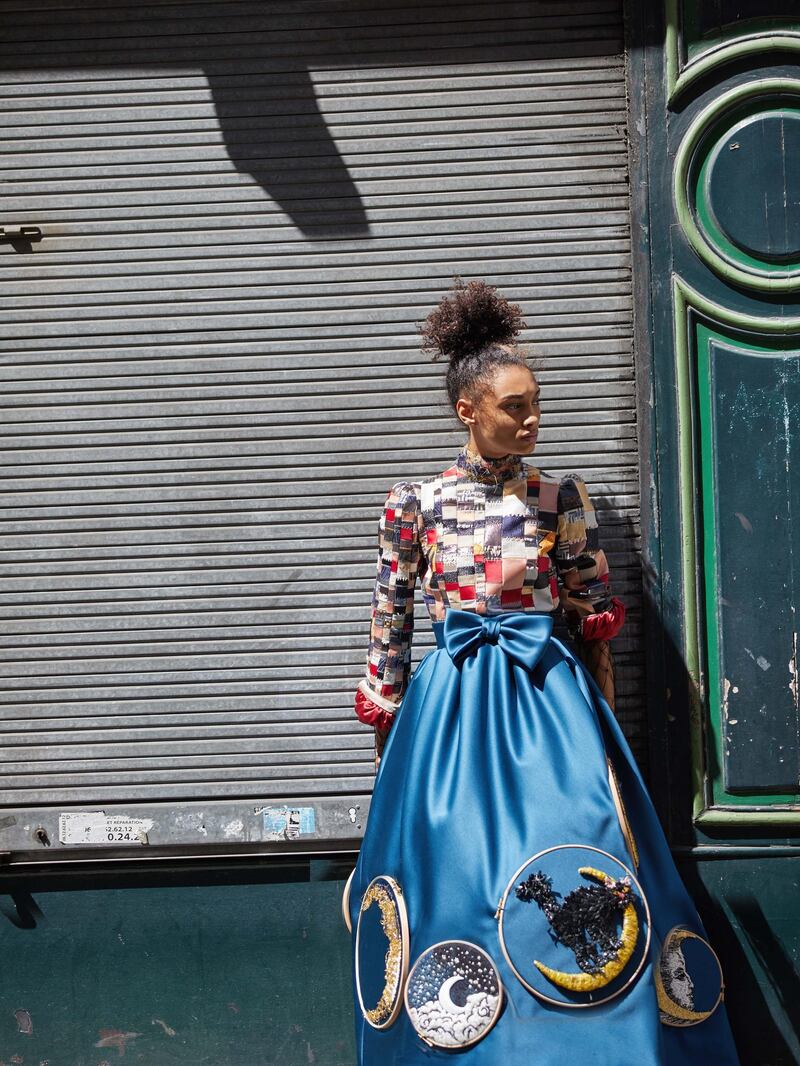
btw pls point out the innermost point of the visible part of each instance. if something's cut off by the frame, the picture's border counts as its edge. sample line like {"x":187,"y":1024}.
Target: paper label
{"x":288,"y":823}
{"x":97,"y":827}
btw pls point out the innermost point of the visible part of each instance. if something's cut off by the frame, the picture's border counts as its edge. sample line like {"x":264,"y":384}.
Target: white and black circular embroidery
{"x":453,"y":994}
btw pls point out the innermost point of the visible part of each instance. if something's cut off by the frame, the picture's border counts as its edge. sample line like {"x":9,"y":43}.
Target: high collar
{"x":488,"y":470}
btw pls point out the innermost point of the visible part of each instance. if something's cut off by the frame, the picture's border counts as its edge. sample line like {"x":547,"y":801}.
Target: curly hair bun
{"x":474,"y":316}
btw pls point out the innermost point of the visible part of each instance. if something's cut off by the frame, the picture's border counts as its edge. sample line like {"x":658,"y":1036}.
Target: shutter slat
{"x":211,"y":371}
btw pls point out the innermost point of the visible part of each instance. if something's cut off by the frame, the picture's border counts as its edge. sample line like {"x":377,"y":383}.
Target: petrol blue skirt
{"x":515,"y":900}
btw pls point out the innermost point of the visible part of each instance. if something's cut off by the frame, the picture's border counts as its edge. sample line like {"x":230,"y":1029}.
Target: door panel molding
{"x":712,"y":804}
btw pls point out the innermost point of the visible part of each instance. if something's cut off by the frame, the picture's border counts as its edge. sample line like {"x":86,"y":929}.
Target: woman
{"x":514,"y":891}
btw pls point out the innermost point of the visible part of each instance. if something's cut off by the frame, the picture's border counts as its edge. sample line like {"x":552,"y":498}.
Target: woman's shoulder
{"x":401,"y":513}
{"x":559,"y":493}
{"x":404,"y":495}
{"x":572,"y":492}
{"x":575,"y":507}
{"x":558,"y":479}
{"x":536,"y":473}
{"x":411,"y":490}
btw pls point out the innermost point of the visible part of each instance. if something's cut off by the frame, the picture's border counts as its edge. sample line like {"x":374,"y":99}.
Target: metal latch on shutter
{"x":20,"y":233}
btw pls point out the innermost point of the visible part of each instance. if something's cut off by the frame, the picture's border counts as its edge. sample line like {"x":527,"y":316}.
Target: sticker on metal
{"x":97,"y":827}
{"x":288,"y":823}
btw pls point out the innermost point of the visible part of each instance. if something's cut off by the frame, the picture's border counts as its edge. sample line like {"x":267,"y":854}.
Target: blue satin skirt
{"x":499,"y":753}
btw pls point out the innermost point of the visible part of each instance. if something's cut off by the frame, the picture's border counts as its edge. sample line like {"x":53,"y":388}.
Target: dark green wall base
{"x":258,"y":973}
{"x":223,"y":975}
{"x":751,"y":909}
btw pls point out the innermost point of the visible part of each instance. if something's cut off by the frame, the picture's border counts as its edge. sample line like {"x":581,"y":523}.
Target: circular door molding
{"x":729,"y":196}
{"x":680,"y":74}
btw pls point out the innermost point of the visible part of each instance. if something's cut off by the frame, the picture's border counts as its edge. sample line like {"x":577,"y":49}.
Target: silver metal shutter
{"x":211,"y":372}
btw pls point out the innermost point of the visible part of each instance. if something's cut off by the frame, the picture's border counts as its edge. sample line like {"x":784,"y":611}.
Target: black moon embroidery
{"x":574,"y":925}
{"x":601,"y":955}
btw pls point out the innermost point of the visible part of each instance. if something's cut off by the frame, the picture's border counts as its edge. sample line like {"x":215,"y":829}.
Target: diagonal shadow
{"x":260,"y":61}
{"x":293,"y":158}
{"x":761,"y":996}
{"x":779,"y":972}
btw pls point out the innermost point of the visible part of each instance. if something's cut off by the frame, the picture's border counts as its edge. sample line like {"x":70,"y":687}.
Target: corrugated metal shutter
{"x":211,"y":371}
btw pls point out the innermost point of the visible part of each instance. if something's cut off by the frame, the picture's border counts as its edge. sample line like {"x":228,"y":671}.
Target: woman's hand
{"x":380,"y":740}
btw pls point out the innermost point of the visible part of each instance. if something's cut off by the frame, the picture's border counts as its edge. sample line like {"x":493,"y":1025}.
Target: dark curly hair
{"x":468,"y":328}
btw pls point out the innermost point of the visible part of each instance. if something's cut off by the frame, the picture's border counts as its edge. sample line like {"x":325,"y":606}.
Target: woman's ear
{"x":465,"y":409}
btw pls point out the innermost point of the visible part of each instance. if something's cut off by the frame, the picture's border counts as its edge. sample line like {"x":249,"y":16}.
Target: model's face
{"x":678,"y":982}
{"x":504,"y":418}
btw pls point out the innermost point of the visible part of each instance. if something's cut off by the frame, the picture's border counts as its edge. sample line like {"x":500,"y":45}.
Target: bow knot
{"x":523,"y":637}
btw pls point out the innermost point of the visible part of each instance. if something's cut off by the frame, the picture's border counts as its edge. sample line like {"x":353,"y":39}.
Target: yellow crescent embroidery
{"x":586,"y":982}
{"x":376,"y":893}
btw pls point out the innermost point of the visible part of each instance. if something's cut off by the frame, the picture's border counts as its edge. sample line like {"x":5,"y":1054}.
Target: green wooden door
{"x":717,"y":187}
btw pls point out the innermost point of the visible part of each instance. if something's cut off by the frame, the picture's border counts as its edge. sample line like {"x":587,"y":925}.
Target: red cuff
{"x":605,"y":625}
{"x":371,"y":714}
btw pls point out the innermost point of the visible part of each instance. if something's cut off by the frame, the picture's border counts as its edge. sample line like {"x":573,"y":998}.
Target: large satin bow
{"x":523,"y":637}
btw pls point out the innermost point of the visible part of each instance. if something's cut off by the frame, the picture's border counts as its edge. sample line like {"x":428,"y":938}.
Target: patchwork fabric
{"x":487,"y":535}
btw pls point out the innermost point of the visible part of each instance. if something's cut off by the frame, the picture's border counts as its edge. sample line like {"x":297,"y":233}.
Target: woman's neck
{"x":492,"y":469}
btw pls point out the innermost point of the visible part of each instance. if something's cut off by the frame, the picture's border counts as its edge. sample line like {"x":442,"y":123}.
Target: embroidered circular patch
{"x":453,"y":994}
{"x":622,"y":814}
{"x":346,"y":901}
{"x":574,"y":925}
{"x":381,"y":952}
{"x":688,"y":978}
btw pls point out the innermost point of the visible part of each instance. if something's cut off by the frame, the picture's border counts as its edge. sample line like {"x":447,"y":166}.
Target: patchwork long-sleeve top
{"x":487,"y":535}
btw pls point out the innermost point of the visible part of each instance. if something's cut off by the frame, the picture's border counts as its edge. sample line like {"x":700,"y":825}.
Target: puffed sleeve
{"x":593,"y":614}
{"x":392,"y":623}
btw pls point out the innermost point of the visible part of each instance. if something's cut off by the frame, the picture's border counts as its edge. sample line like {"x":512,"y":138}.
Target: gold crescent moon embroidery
{"x":672,"y":1012}
{"x":586,"y":982}
{"x":385,"y":893}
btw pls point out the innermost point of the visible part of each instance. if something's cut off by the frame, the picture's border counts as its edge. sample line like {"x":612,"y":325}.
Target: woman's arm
{"x":594,"y":616}
{"x":388,"y":664}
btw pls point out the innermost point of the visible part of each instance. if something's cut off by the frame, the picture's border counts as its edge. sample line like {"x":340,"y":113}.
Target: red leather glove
{"x":606,"y":624}
{"x":371,"y":714}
